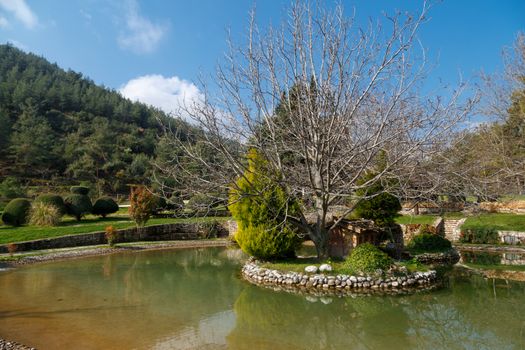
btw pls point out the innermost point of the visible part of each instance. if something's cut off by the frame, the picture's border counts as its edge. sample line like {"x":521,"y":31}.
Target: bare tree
{"x":322,"y":100}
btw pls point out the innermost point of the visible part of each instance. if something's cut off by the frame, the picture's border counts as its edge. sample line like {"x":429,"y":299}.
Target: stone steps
{"x":453,"y":228}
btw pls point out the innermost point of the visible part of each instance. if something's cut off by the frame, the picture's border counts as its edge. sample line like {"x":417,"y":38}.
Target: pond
{"x":194,"y":299}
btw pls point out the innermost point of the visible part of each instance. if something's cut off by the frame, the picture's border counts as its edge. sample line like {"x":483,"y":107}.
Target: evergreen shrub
{"x":104,"y":206}
{"x":428,"y":243}
{"x":78,"y":205}
{"x":368,"y":258}
{"x":260,"y":206}
{"x":16,"y":212}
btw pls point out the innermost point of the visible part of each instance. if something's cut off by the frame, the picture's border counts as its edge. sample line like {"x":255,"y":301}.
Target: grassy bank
{"x":68,"y":226}
{"x":497,"y":221}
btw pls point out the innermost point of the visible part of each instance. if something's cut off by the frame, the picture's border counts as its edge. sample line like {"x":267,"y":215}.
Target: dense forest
{"x":59,"y":127}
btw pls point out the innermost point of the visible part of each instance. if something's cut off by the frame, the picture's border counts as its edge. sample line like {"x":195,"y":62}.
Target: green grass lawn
{"x":498,"y":221}
{"x":68,"y":226}
{"x":416,"y":219}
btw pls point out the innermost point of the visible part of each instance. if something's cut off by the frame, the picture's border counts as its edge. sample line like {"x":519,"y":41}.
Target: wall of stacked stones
{"x":166,"y":232}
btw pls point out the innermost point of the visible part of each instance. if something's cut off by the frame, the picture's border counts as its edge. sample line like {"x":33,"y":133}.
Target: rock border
{"x":338,"y":285}
{"x":448,"y":257}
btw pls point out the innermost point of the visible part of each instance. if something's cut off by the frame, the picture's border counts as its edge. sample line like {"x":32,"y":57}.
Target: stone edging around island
{"x":338,"y":285}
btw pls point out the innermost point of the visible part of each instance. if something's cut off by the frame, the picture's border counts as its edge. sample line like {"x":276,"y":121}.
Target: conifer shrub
{"x":260,"y":206}
{"x":428,"y":243}
{"x":16,"y":212}
{"x":142,"y":205}
{"x":381,"y":207}
{"x":368,"y":258}
{"x":104,"y":206}
{"x":44,"y":214}
{"x":80,"y":190}
{"x":78,"y":205}
{"x":53,"y":199}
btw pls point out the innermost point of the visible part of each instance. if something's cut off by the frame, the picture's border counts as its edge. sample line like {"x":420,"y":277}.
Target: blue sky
{"x":153,"y":50}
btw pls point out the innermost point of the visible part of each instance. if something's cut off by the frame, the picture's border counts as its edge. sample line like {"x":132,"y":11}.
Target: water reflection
{"x":194,"y":299}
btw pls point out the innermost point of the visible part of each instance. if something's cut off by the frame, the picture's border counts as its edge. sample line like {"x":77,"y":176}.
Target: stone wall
{"x":341,"y":285}
{"x":512,"y":237}
{"x":167,"y":232}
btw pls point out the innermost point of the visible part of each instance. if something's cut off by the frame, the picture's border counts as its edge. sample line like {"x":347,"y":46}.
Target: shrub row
{"x":47,"y":209}
{"x":479,"y":235}
{"x":428,"y":243}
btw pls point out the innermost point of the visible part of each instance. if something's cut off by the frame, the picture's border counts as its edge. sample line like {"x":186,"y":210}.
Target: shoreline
{"x":48,"y":255}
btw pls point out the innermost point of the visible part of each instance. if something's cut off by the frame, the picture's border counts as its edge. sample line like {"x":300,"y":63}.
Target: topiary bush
{"x":53,"y":199}
{"x":78,"y":205}
{"x":267,"y":243}
{"x":428,"y":243}
{"x":80,"y":190}
{"x":479,"y":235}
{"x":260,"y":206}
{"x":367,"y":257}
{"x":16,"y":212}
{"x":104,"y":206}
{"x":44,"y":214}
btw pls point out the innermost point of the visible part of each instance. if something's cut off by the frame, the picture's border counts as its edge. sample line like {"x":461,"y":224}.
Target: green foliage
{"x":479,"y":235}
{"x":59,"y":124}
{"x":11,"y":188}
{"x":55,"y":200}
{"x":382,"y":207}
{"x":104,"y":206}
{"x":44,"y":214}
{"x":142,"y":205}
{"x":78,"y":205}
{"x":260,"y":206}
{"x":84,"y":190}
{"x":428,"y":243}
{"x":368,"y":258}
{"x":16,"y":213}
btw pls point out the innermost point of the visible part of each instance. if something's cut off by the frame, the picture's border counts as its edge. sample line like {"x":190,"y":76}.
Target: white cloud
{"x":18,"y":44}
{"x":141,"y":35}
{"x":21,"y":11}
{"x":4,"y":23}
{"x":165,"y":93}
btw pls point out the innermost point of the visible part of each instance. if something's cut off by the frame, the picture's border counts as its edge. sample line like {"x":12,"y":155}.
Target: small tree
{"x":105,"y":206}
{"x":261,"y":207}
{"x":143,"y":203}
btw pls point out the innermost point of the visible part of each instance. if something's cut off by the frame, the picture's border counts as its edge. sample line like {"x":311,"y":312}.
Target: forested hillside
{"x":59,"y":126}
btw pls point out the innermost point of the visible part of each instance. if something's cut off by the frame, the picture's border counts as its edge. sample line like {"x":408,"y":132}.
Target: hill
{"x":58,"y":126}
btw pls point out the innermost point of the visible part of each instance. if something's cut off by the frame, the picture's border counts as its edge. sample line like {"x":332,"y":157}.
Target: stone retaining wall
{"x":166,"y":232}
{"x":321,"y":284}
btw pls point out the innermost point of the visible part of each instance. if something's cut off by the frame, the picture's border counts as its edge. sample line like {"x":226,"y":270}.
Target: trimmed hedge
{"x":80,"y":190}
{"x":16,"y":212}
{"x":367,"y":257}
{"x":78,"y":205}
{"x":428,"y":243}
{"x":104,"y":206}
{"x":53,"y":199}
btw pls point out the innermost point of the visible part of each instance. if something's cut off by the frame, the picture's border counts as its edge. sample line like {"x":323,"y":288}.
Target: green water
{"x":194,"y":299}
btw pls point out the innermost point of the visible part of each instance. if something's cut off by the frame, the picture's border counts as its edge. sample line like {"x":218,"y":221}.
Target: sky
{"x":154,"y":51}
